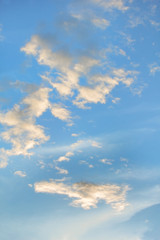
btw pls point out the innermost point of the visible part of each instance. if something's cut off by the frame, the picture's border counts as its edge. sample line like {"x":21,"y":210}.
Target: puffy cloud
{"x":102,"y":85}
{"x":22,"y":132}
{"x":20,"y":173}
{"x":87,"y":195}
{"x":38,"y":47}
{"x":60,"y":112}
{"x":71,"y":69}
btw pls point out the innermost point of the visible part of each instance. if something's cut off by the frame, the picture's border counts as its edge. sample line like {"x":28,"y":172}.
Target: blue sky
{"x":79,"y":120}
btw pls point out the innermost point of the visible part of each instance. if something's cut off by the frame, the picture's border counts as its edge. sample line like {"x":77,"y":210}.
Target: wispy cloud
{"x":154,"y":68}
{"x":111,"y":4}
{"x":87,"y":195}
{"x":1,"y":35}
{"x":20,"y":173}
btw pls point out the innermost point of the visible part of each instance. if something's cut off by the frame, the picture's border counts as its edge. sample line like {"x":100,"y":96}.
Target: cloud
{"x":101,"y":23}
{"x":71,"y":69}
{"x":111,"y":4}
{"x":102,"y":85}
{"x":87,"y":195}
{"x":106,"y":161}
{"x":61,"y":170}
{"x":115,"y":100}
{"x":74,"y":134}
{"x":155,"y":24}
{"x":21,"y":129}
{"x":154,"y":68}
{"x":1,"y":36}
{"x":20,"y":173}
{"x":60,"y":112}
{"x":96,"y":144}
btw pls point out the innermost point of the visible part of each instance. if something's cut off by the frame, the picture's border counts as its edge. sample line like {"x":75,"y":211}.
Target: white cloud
{"x":62,"y":159}
{"x":61,"y":170}
{"x":87,"y":195}
{"x":115,"y":100}
{"x":74,"y":134}
{"x":96,"y":144}
{"x":154,"y":68}
{"x":101,"y":23}
{"x":60,"y":112}
{"x":155,"y":24}
{"x":111,"y":4}
{"x":107,"y":161}
{"x":22,"y":132}
{"x":20,"y":173}
{"x":70,"y":70}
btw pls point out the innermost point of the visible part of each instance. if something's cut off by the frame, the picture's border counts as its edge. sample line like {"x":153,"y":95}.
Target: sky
{"x":79,"y":119}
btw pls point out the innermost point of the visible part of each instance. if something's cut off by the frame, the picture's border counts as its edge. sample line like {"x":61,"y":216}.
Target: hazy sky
{"x":79,"y":119}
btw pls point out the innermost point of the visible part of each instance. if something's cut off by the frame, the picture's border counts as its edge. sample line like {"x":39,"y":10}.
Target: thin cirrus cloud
{"x":87,"y":195}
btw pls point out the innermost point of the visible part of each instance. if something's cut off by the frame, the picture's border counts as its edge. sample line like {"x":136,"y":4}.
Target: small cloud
{"x":101,"y":23}
{"x":1,"y":36}
{"x":61,"y":170}
{"x":69,"y":154}
{"x":106,"y":161}
{"x":155,"y":24}
{"x":90,"y":166}
{"x":74,"y":134}
{"x":77,"y":144}
{"x":96,"y":144}
{"x":60,"y":112}
{"x":20,"y":173}
{"x":116,"y":100}
{"x":62,"y":159}
{"x":122,"y":159}
{"x":110,"y":4}
{"x":154,"y":68}
{"x":30,"y":185}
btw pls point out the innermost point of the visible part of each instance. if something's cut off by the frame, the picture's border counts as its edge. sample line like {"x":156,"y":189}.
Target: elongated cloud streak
{"x":87,"y":195}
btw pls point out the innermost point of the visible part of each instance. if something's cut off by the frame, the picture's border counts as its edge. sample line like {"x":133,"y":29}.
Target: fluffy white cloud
{"x":20,"y":173}
{"x":60,"y":112}
{"x":87,"y":195}
{"x":70,"y":70}
{"x":22,"y":131}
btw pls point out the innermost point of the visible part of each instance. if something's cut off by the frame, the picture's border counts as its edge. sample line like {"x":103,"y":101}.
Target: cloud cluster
{"x":87,"y":195}
{"x":70,"y":70}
